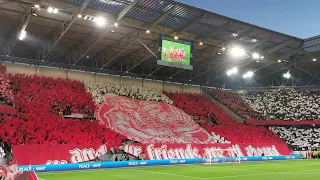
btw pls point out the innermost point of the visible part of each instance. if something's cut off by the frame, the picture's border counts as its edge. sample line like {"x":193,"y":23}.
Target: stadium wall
{"x":118,"y":164}
{"x":15,"y":68}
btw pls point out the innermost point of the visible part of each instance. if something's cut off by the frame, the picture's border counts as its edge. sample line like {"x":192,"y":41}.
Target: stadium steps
{"x":223,"y":107}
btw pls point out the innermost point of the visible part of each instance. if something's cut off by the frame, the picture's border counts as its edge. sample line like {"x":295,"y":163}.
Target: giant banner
{"x":62,"y":154}
{"x":150,"y":122}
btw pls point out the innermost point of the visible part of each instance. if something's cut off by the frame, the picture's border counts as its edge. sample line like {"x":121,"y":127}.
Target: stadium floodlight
{"x":235,"y":34}
{"x":238,"y":51}
{"x":37,"y":6}
{"x":314,"y":59}
{"x":248,"y":74}
{"x":116,"y":24}
{"x":223,"y":49}
{"x":200,"y":43}
{"x":79,"y":16}
{"x":287,"y":75}
{"x":279,"y":60}
{"x":148,"y":31}
{"x":22,"y":35}
{"x":176,"y":37}
{"x":255,"y":55}
{"x":50,"y":9}
{"x":232,"y":71}
{"x":100,"y":21}
{"x":55,"y":10}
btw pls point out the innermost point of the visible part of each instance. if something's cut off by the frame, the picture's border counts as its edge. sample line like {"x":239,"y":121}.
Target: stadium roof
{"x":64,"y":40}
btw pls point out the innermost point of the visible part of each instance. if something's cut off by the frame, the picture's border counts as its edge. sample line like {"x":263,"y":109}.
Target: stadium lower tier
{"x":62,"y":154}
{"x":300,"y":138}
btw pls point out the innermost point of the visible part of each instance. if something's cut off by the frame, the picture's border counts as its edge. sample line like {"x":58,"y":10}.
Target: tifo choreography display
{"x":150,"y":122}
{"x":93,"y":84}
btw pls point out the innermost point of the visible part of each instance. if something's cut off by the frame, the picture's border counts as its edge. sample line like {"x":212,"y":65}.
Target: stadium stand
{"x":215,"y":120}
{"x":235,"y":103}
{"x":285,"y":104}
{"x":39,"y":101}
{"x":300,"y":138}
{"x":290,"y":104}
{"x":255,"y":100}
{"x":140,"y":93}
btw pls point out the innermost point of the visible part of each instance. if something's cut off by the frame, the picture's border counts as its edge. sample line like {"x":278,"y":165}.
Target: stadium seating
{"x":285,"y":104}
{"x":300,"y":138}
{"x":215,"y":120}
{"x":255,"y":100}
{"x":292,"y":104}
{"x":235,"y":103}
{"x":140,"y":93}
{"x":38,"y":100}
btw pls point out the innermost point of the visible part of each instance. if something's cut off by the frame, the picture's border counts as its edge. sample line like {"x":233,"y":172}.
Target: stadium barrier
{"x":121,"y":164}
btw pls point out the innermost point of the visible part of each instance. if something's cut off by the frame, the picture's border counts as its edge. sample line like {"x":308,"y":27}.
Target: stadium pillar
{"x":37,"y":70}
{"x":68,"y":74}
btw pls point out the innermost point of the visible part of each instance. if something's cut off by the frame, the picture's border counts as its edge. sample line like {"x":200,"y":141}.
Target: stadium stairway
{"x":223,"y":107}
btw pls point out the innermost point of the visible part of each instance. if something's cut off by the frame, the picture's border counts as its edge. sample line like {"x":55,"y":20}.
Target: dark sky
{"x":299,"y":18}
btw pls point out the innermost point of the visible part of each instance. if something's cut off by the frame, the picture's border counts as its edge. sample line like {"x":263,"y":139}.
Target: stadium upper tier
{"x":286,"y":104}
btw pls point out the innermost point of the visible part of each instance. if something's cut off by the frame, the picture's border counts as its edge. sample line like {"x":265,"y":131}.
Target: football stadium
{"x":155,"y":89}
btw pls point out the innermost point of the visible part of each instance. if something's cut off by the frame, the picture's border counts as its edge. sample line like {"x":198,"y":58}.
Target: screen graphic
{"x":175,"y":53}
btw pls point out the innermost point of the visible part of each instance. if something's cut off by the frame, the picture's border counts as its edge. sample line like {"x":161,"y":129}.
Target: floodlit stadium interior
{"x":105,"y":84}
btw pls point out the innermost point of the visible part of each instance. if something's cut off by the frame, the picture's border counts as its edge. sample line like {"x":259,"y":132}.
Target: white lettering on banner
{"x":132,"y":149}
{"x":40,"y":168}
{"x":217,"y":152}
{"x":78,"y":155}
{"x":143,"y":163}
{"x":268,"y":151}
{"x":56,"y":162}
{"x":96,"y":165}
{"x":133,"y":164}
{"x":172,"y":153}
{"x":173,"y":162}
{"x":88,"y":154}
{"x":25,"y":169}
{"x":84,"y":166}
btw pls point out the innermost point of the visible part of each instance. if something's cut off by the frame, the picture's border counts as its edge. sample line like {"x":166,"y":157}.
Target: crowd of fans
{"x":283,"y":104}
{"x":255,"y":100}
{"x":213,"y":119}
{"x":290,"y":104}
{"x":98,"y":89}
{"x":300,"y":138}
{"x":235,"y":103}
{"x":39,"y":102}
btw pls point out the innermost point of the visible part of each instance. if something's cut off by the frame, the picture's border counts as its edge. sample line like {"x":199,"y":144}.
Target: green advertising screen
{"x":175,"y":53}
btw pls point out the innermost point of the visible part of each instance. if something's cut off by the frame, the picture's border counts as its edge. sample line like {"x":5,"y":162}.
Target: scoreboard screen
{"x":175,"y":53}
